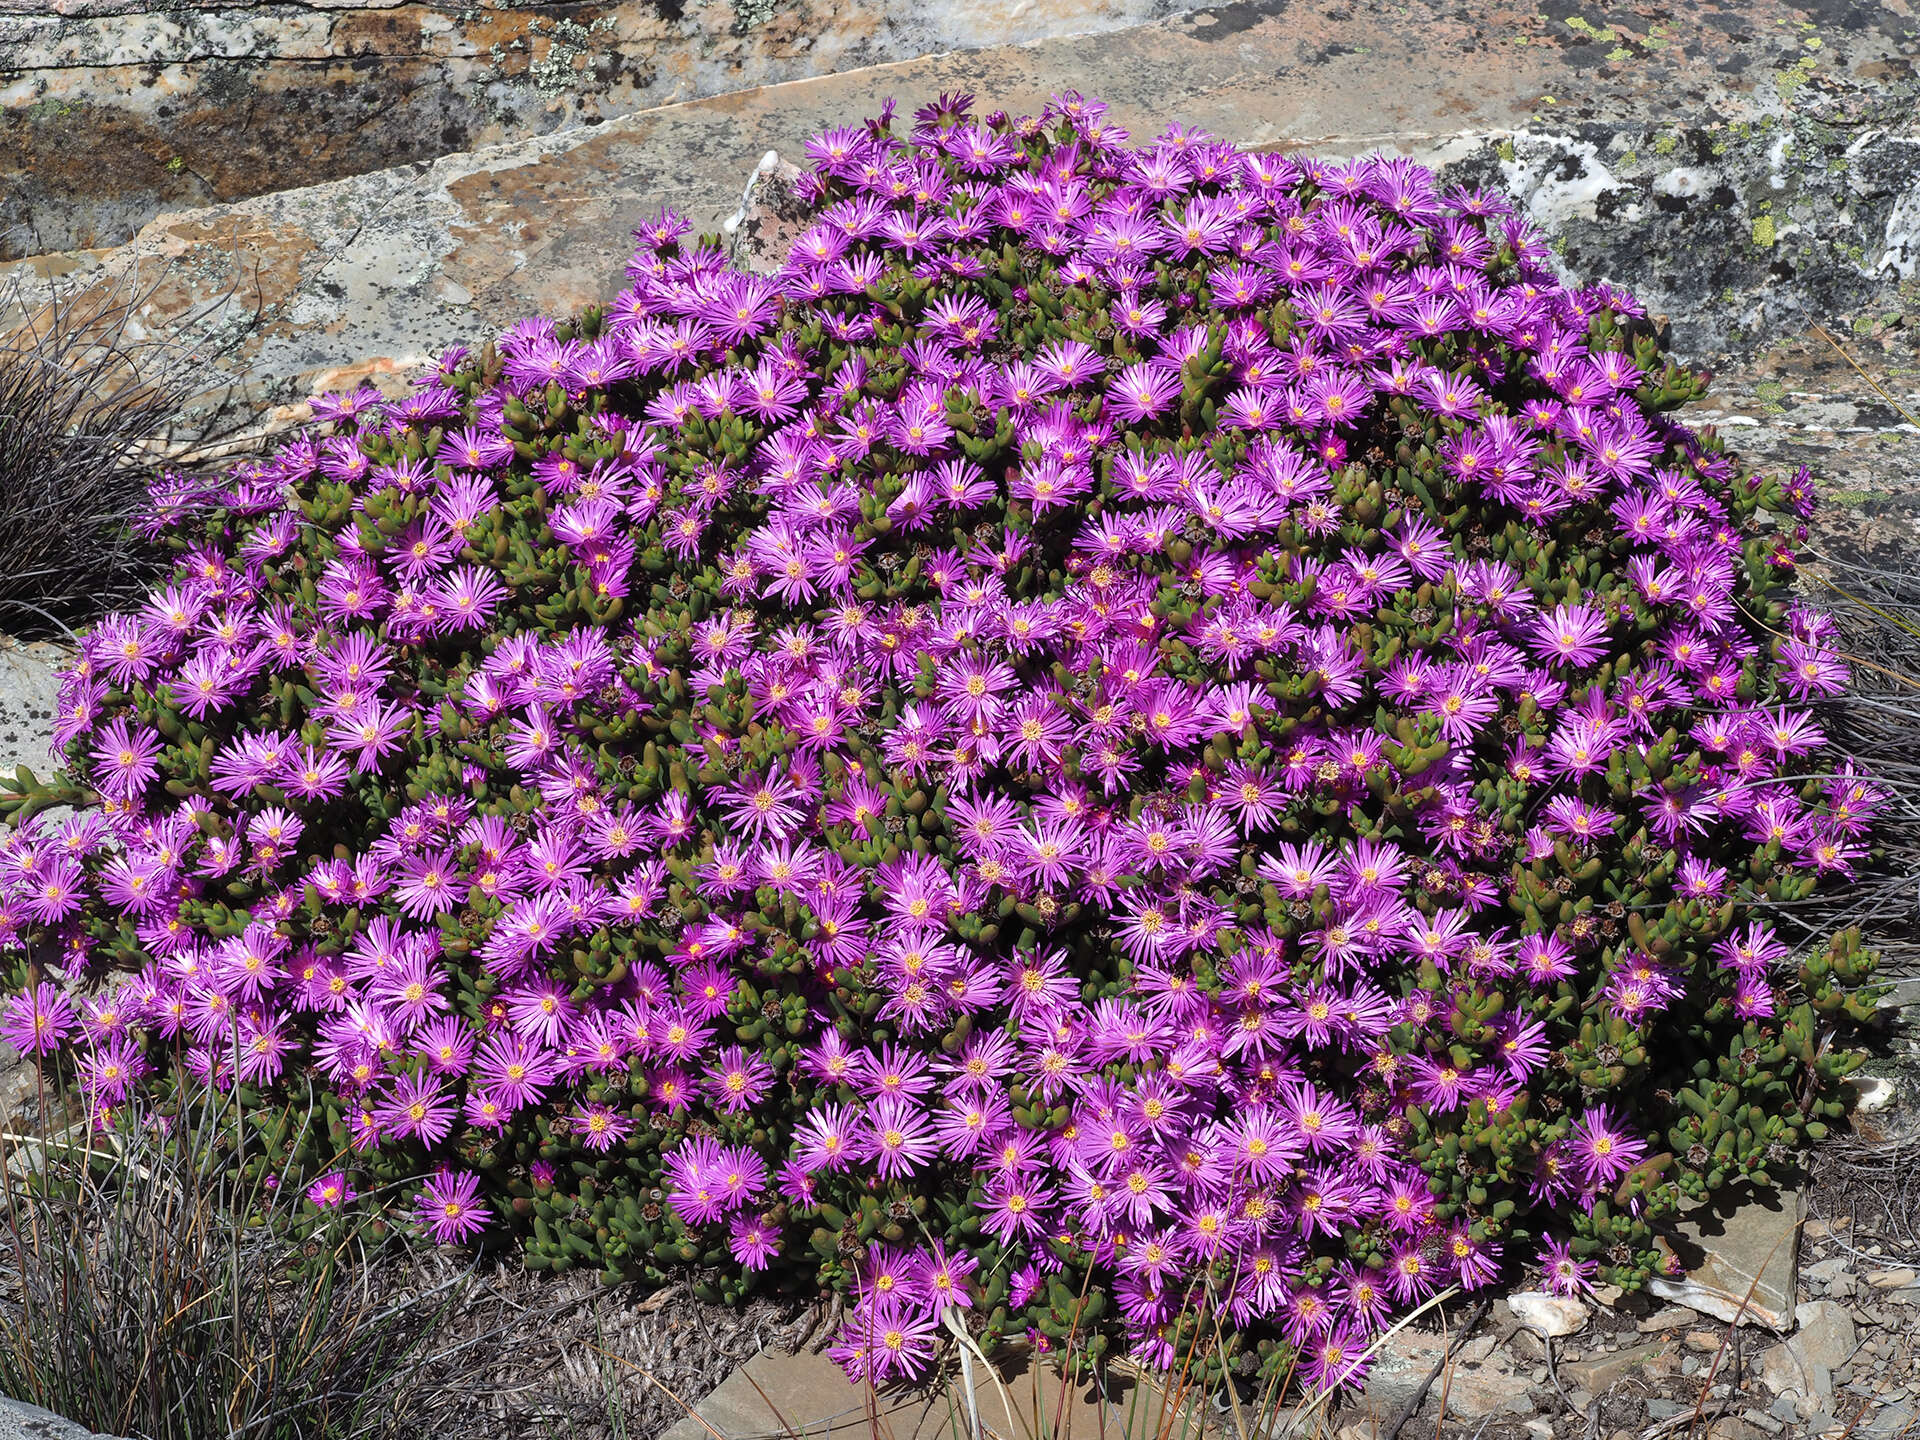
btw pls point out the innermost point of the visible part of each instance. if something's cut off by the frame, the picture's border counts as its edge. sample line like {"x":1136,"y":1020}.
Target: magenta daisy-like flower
{"x":1602,"y":1149}
{"x":417,"y":1107}
{"x":127,"y":757}
{"x":600,"y":1127}
{"x":429,"y":885}
{"x":898,"y":1138}
{"x":753,"y":1240}
{"x":1563,"y":1272}
{"x":331,"y":1191}
{"x":37,"y":1020}
{"x":1016,"y":1206}
{"x":449,"y":1207}
{"x":738,"y":1079}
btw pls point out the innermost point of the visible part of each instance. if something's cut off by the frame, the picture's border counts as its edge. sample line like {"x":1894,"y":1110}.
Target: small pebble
{"x":1876,"y":1092}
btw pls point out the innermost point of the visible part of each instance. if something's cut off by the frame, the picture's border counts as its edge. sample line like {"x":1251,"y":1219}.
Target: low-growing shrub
{"x":1161,"y":743}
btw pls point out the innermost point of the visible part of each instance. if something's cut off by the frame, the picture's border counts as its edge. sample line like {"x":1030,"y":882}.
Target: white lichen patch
{"x":1900,"y":247}
{"x":1556,"y":178}
{"x":1686,"y":182}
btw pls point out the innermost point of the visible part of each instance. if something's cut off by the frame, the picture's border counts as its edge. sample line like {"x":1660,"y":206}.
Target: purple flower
{"x":36,"y":1021}
{"x":1563,"y":1273}
{"x":1602,"y":1151}
{"x":331,"y":1191}
{"x":600,"y":1127}
{"x":753,"y":1241}
{"x":449,"y":1207}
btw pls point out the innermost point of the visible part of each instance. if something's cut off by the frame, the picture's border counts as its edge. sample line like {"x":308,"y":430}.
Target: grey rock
{"x":1834,"y":1275}
{"x":1742,"y":1259}
{"x":1787,"y":1372}
{"x":770,"y":218}
{"x":19,"y":1079}
{"x":1547,"y":1315}
{"x":21,"y":1421}
{"x":1872,"y":1093}
{"x":805,"y":1394}
{"x":220,"y":99}
{"x":364,"y":277}
{"x":1825,"y":1270}
{"x":29,"y":691}
{"x":1826,"y":1334}
{"x":1659,"y":1409}
{"x":1900,"y":994}
{"x":1488,"y":1384}
{"x":1601,"y":1373}
{"x":1887,"y":1421}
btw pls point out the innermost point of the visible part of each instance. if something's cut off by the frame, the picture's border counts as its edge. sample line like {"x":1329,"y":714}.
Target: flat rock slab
{"x":29,"y":688}
{"x":776,"y":1396}
{"x":1480,"y":1381}
{"x":1742,"y":1260}
{"x":1599,"y":1373}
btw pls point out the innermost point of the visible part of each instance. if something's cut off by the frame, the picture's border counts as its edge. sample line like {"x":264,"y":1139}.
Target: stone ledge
{"x":112,"y":111}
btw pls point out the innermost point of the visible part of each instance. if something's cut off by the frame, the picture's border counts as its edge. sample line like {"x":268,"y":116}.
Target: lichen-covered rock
{"x":118,"y":109}
{"x":365,"y":277}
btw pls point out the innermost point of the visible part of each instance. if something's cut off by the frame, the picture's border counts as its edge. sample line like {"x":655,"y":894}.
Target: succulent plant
{"x":1141,"y":740}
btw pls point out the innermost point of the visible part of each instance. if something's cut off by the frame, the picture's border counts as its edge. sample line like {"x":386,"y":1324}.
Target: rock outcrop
{"x":1744,"y":169}
{"x":114,"y":110}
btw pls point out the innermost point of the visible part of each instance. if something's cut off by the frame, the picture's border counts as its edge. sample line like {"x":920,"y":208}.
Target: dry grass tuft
{"x":90,"y":403}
